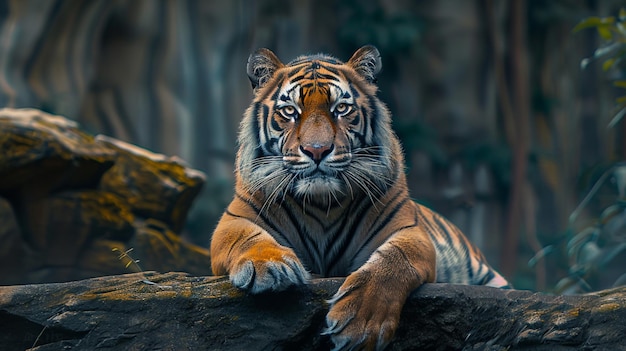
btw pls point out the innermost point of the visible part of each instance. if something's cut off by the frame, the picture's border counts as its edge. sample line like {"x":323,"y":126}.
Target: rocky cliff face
{"x":72,"y":205}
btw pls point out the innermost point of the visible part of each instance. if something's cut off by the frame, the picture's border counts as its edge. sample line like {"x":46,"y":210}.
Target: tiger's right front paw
{"x":268,"y":269}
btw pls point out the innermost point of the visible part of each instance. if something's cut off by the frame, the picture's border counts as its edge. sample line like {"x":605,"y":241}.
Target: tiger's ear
{"x":261,"y":67}
{"x":366,"y":61}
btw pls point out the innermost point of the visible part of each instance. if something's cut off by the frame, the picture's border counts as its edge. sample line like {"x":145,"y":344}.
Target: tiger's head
{"x":316,"y":130}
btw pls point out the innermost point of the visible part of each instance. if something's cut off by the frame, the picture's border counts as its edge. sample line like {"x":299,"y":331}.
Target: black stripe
{"x":331,"y":60}
{"x":302,"y":236}
{"x":275,"y":125}
{"x":374,"y":118}
{"x":272,"y":228}
{"x":266,"y":111}
{"x":297,"y":79}
{"x":269,"y":141}
{"x":366,"y":123}
{"x":256,"y":109}
{"x":273,"y":93}
{"x":490,"y":275}
{"x":430,"y":229}
{"x":270,"y":144}
{"x":354,"y":91}
{"x":319,"y":75}
{"x":254,"y":235}
{"x":442,"y":229}
{"x":320,"y":206}
{"x":468,"y":264}
{"x":288,"y":92}
{"x":460,"y":250}
{"x":352,"y":212}
{"x":360,"y":137}
{"x":371,"y":235}
{"x":340,"y":239}
{"x":355,"y":121}
{"x":234,"y":215}
{"x":331,"y":69}
{"x":294,"y":72}
{"x":388,"y":218}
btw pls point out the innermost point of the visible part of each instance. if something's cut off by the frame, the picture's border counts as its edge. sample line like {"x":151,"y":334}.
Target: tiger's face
{"x":315,"y":129}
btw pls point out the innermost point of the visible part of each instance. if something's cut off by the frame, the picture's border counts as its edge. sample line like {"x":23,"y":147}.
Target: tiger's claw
{"x":355,"y":322}
{"x":274,"y":274}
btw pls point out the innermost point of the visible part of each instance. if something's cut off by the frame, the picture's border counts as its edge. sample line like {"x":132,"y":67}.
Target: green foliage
{"x":612,"y":51}
{"x":596,"y":247}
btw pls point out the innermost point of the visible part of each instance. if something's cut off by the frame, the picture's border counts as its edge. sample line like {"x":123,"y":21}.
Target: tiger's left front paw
{"x":363,"y":315}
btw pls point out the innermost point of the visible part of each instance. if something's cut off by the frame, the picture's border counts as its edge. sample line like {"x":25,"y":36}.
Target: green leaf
{"x":622,"y":14}
{"x":586,"y":235}
{"x":607,"y":49}
{"x":612,"y":210}
{"x":596,"y":186}
{"x":589,"y":253}
{"x":539,"y":255}
{"x":608,"y":64}
{"x":572,"y":285}
{"x":621,"y":27}
{"x":585,"y":62}
{"x":605,"y":32}
{"x":620,"y":83}
{"x":593,"y":22}
{"x":612,"y":253}
{"x":620,"y":281}
{"x":621,"y":100}
{"x":617,"y":117}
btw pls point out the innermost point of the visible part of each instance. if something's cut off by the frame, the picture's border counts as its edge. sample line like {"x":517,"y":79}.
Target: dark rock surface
{"x":71,"y":204}
{"x":174,"y":311}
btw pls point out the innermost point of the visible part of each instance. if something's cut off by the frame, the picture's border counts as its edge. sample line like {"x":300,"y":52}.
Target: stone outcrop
{"x":72,"y":205}
{"x":174,"y":311}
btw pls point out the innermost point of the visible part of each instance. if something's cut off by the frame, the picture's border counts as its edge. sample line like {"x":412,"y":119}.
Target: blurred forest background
{"x":505,"y":133}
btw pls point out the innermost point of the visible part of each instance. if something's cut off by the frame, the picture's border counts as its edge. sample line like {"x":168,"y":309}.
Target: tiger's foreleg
{"x":252,"y":258}
{"x":366,"y":309}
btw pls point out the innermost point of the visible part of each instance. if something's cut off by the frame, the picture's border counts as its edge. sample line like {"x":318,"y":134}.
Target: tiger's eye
{"x":288,"y":111}
{"x":342,"y":108}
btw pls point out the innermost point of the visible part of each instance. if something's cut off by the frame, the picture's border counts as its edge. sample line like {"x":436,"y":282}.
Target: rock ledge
{"x":175,"y":311}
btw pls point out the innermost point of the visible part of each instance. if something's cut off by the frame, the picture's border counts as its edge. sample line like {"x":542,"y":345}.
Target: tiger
{"x":321,"y":191}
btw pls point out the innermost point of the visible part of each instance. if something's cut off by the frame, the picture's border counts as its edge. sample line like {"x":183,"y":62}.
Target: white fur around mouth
{"x":318,"y":185}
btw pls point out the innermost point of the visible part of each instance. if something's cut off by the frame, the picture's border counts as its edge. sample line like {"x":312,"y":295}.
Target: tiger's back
{"x":321,"y":188}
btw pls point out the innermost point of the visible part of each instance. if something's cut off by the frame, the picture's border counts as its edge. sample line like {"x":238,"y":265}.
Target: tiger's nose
{"x":317,"y":152}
